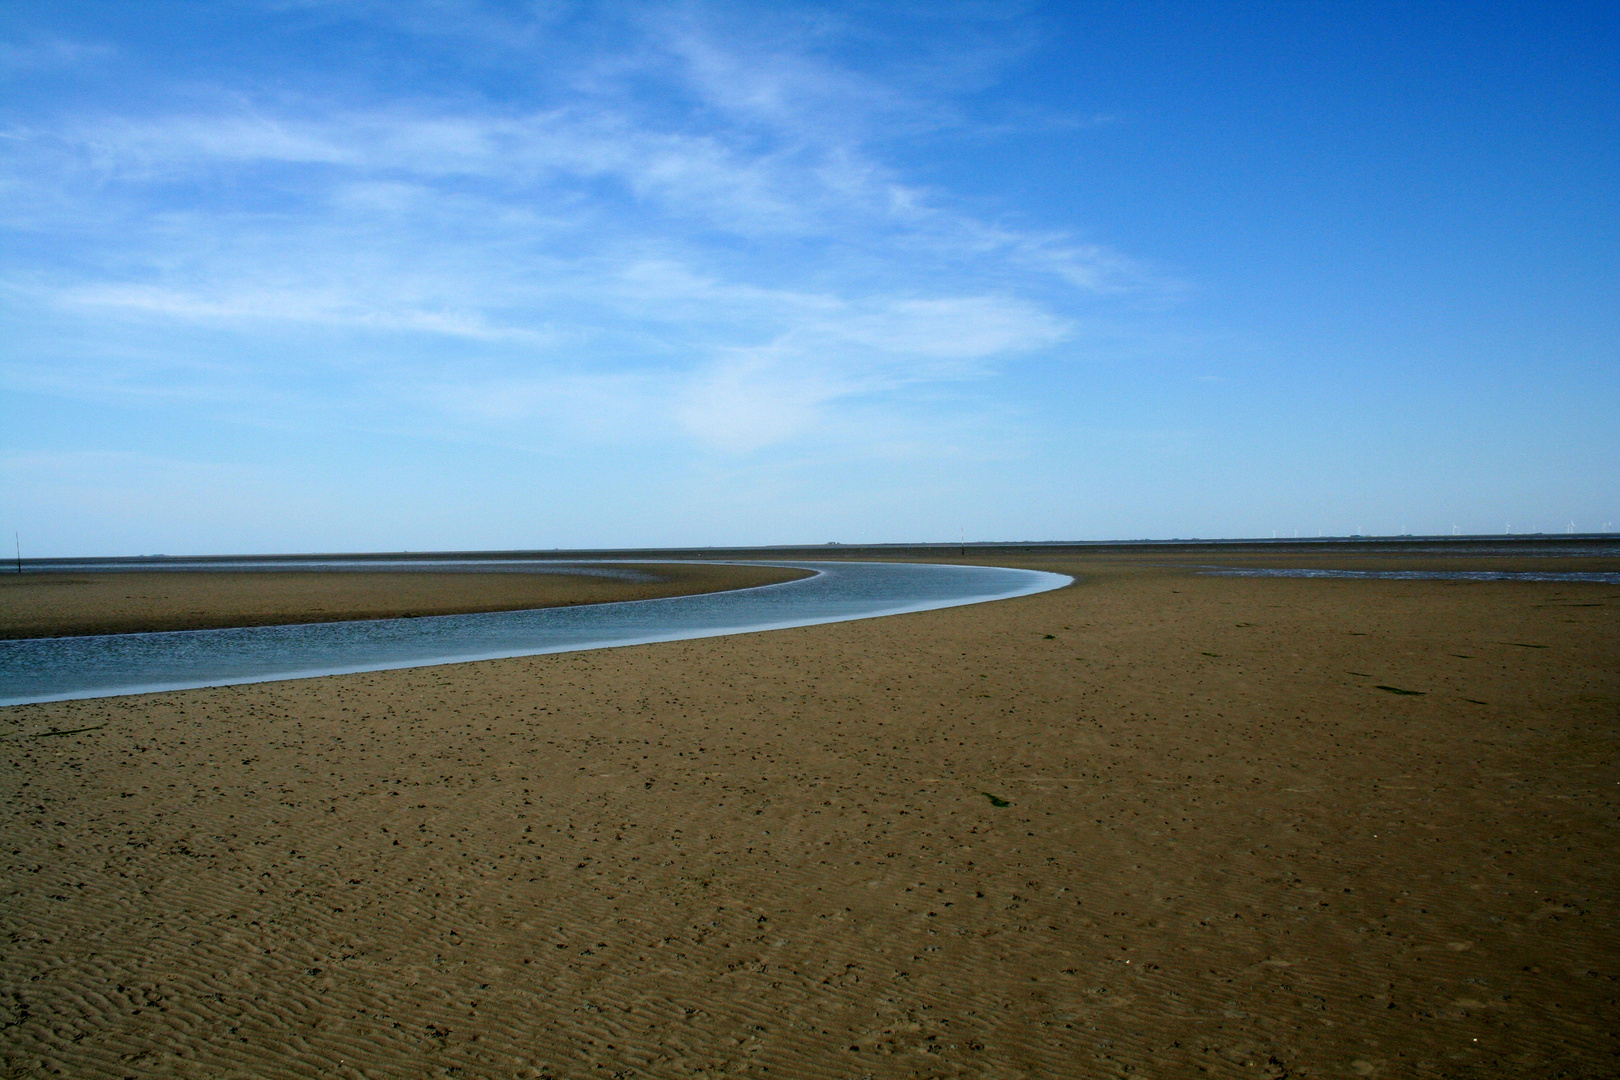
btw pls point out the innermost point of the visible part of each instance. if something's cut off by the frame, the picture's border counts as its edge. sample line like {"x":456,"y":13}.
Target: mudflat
{"x":122,"y":602}
{"x":1153,"y":824}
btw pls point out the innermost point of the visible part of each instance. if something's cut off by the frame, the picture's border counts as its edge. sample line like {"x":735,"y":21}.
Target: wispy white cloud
{"x":332,"y":307}
{"x":738,"y":270}
{"x":754,"y":397}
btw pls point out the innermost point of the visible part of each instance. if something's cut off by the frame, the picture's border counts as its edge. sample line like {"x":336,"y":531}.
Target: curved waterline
{"x":61,"y":669}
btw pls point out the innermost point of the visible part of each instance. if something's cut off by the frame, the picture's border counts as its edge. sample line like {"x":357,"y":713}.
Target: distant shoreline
{"x":1511,"y":545}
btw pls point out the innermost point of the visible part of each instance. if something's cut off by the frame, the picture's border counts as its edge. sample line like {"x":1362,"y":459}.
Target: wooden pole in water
{"x":17,"y":536}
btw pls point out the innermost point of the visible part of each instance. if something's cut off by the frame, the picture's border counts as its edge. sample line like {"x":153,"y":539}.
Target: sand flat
{"x":122,"y":602}
{"x":1231,"y":846}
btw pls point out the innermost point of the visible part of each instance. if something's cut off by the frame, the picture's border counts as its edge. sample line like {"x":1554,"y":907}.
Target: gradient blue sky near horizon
{"x":326,"y":275}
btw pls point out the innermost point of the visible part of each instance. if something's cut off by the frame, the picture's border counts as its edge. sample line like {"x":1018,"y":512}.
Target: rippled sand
{"x":1252,"y":827}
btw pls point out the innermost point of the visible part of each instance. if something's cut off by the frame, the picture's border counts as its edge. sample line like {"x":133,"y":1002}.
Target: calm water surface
{"x":57,"y":669}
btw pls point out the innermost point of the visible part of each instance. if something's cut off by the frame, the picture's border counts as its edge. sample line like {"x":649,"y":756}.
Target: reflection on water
{"x":53,"y":669}
{"x":1598,"y":577}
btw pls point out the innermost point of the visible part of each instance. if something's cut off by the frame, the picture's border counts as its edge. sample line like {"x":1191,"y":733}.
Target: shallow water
{"x":1591,"y":577}
{"x":56,"y":669}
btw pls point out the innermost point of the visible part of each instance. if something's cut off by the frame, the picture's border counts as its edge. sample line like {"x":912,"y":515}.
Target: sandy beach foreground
{"x":1153,"y":824}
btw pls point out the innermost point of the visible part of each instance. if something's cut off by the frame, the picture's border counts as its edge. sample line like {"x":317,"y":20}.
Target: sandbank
{"x":123,"y":601}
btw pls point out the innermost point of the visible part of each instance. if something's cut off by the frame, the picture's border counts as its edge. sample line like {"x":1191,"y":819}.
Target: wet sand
{"x":123,"y":602}
{"x":1153,"y":824}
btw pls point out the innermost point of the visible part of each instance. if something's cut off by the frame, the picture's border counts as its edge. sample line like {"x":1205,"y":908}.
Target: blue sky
{"x":318,"y":275}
